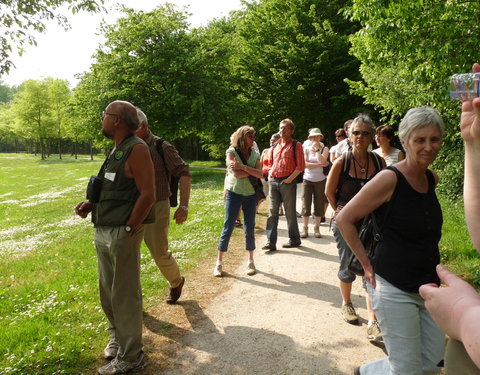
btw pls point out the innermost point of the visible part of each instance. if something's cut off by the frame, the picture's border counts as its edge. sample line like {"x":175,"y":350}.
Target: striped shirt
{"x":175,"y":165}
{"x":283,"y":163}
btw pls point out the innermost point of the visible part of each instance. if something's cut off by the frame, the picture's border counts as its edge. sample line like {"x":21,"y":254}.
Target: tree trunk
{"x":59,"y":148}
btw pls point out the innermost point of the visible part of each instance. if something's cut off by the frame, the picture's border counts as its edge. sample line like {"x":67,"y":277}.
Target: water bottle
{"x":465,"y":86}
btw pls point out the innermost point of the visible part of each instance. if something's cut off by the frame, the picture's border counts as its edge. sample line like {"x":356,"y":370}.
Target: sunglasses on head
{"x":364,"y":133}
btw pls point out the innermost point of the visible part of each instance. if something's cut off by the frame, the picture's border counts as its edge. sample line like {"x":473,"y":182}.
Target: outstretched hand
{"x":470,"y":120}
{"x":446,"y":305}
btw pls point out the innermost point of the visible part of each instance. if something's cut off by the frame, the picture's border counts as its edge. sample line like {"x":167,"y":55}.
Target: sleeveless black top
{"x":408,"y":253}
{"x":349,"y":185}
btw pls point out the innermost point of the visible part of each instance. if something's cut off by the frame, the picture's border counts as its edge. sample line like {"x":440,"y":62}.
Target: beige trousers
{"x":120,"y":291}
{"x":457,"y":361}
{"x":156,"y":238}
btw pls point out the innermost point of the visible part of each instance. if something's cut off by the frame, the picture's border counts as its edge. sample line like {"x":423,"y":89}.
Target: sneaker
{"x":291,"y":244}
{"x":349,"y":314}
{"x":111,"y":350}
{"x":251,"y":270}
{"x":304,"y":233}
{"x":269,"y":246}
{"x":176,"y":292}
{"x":316,"y":232}
{"x":374,"y":333}
{"x":117,"y":366}
{"x":217,"y":271}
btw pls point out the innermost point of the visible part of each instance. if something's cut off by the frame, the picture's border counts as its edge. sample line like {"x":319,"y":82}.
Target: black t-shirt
{"x":408,"y":253}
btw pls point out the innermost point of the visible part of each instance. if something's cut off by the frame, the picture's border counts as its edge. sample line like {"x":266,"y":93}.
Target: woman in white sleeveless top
{"x":384,"y":138}
{"x":316,"y":157}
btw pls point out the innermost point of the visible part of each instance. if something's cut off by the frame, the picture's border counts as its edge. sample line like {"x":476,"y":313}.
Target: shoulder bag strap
{"x":159,"y":145}
{"x":294,"y":145}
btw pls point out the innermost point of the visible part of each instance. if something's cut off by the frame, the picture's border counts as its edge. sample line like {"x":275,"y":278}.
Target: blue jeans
{"x":233,"y":203}
{"x":414,"y":342}
{"x":286,"y":193}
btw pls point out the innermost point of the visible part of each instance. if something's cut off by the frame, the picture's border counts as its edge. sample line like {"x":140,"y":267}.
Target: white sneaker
{"x":251,"y":270}
{"x":217,"y":271}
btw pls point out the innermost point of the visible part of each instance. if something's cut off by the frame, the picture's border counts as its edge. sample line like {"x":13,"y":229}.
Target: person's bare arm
{"x":300,"y":164}
{"x":470,"y":130}
{"x":333,"y":180}
{"x":455,"y":309}
{"x":370,"y":197}
{"x":139,"y":166}
{"x":181,"y":214}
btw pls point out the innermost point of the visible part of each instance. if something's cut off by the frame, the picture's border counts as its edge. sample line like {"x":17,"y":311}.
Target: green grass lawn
{"x":50,"y":317}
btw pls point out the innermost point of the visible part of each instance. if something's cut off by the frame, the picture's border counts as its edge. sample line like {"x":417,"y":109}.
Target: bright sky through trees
{"x":62,"y":54}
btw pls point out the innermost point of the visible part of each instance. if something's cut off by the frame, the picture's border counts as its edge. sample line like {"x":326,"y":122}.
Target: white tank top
{"x":313,"y":174}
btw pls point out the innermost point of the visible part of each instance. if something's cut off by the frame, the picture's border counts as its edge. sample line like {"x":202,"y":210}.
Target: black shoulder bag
{"x":255,"y":181}
{"x":173,"y":180}
{"x":370,"y":234}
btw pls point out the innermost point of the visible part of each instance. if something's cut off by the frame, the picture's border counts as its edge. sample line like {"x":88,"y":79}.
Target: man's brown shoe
{"x":175,"y":293}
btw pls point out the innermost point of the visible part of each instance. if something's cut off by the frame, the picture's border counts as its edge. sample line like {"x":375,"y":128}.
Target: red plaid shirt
{"x":283,"y":163}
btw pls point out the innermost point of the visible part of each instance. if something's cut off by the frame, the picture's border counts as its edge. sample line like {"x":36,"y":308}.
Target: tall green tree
{"x":178,"y":77}
{"x":294,"y":63}
{"x":20,"y":18}
{"x":408,"y":49}
{"x":59,"y":94}
{"x":32,"y":110}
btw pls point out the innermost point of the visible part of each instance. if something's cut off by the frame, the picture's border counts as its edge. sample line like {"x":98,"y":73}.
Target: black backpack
{"x":173,"y":180}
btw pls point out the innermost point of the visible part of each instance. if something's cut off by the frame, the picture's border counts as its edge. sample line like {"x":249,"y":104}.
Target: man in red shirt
{"x":285,"y":165}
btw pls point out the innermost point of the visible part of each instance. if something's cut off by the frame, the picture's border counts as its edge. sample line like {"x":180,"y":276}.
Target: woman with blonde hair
{"x":240,"y":193}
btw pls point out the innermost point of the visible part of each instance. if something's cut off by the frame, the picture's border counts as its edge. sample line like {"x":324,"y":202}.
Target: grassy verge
{"x":456,"y":248}
{"x":50,"y":315}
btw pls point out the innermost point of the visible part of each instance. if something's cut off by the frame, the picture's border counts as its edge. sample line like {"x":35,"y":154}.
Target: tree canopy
{"x":20,"y":18}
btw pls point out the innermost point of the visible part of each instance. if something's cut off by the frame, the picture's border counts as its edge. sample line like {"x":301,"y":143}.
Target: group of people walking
{"x":131,"y":203}
{"x":398,"y":187}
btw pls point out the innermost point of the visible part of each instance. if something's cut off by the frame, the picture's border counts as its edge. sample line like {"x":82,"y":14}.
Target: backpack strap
{"x":159,"y":145}
{"x":346,"y":161}
{"x":294,"y":145}
{"x":377,"y":160}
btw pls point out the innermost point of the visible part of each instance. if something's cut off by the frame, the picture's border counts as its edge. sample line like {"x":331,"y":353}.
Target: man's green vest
{"x":118,"y":193}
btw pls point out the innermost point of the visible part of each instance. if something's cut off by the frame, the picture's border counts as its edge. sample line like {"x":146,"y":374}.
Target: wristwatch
{"x":128,"y":228}
{"x":185,"y":208}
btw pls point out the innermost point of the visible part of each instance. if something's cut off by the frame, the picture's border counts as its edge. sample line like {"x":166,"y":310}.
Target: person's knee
{"x":346,"y":276}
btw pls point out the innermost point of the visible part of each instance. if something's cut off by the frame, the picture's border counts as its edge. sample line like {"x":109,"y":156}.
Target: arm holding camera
{"x":456,"y":307}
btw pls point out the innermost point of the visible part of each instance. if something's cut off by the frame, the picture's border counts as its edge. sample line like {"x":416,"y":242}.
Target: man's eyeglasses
{"x":364,"y":133}
{"x":104,"y":114}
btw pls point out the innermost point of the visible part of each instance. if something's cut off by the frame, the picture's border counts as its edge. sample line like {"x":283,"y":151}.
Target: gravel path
{"x":284,"y":320}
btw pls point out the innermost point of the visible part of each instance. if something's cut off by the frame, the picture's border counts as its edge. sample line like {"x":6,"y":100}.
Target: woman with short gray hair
{"x":407,"y":253}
